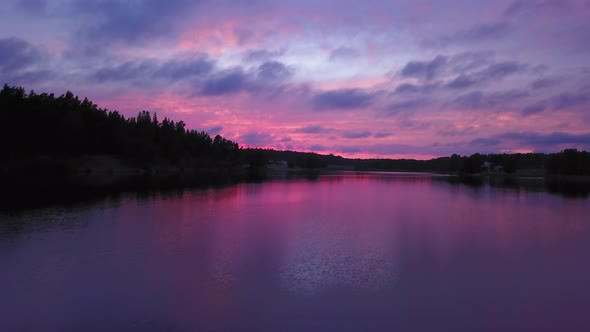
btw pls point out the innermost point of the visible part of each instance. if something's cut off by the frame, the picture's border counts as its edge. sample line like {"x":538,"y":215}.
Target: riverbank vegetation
{"x":44,"y":135}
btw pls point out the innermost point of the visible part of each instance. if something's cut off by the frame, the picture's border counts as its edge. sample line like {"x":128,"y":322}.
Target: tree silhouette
{"x":43,"y":125}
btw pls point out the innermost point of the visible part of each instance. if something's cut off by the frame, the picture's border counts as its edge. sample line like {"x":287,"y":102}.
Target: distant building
{"x":488,"y":167}
{"x":499,"y":169}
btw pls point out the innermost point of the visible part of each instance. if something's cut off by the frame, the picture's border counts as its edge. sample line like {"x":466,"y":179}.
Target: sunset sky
{"x":356,"y":78}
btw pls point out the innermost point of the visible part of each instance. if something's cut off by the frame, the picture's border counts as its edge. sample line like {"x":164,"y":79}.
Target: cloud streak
{"x":343,"y":99}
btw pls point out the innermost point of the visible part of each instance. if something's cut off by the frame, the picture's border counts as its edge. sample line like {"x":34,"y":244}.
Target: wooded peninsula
{"x":50,"y":141}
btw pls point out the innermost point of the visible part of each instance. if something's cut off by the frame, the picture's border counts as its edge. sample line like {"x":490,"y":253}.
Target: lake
{"x":342,"y":252}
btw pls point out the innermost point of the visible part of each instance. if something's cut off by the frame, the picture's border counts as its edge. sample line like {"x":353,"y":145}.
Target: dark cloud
{"x":350,"y":149}
{"x":199,"y":74}
{"x":313,"y":129}
{"x":556,"y":138}
{"x":469,"y":61}
{"x":17,"y":54}
{"x":485,"y":142}
{"x":215,"y":130}
{"x":540,"y":142}
{"x":413,"y":124}
{"x":274,"y":70}
{"x":255,"y":138}
{"x":32,"y":6}
{"x":543,"y":83}
{"x":533,"y":109}
{"x":453,"y":132}
{"x":342,"y":99}
{"x":426,"y":70}
{"x":500,"y":70}
{"x":227,"y":82}
{"x":344,"y":53}
{"x":129,"y":21}
{"x":383,"y":134}
{"x":570,"y":100}
{"x":130,"y":70}
{"x":261,"y":55}
{"x":480,"y":33}
{"x":484,"y":31}
{"x":480,"y":100}
{"x":472,"y":67}
{"x":179,"y":69}
{"x":21,"y":62}
{"x":408,"y":88}
{"x":244,"y":35}
{"x":318,"y":147}
{"x":407,"y":105}
{"x":285,"y":139}
{"x":356,"y":134}
{"x":493,"y":72}
{"x":462,"y":82}
{"x":526,"y":6}
{"x":149,"y":69}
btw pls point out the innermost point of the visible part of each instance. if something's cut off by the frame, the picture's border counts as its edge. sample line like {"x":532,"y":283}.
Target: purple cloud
{"x":261,"y":55}
{"x":175,"y":69}
{"x":470,"y":61}
{"x":256,"y":139}
{"x":17,"y":54}
{"x":318,"y":147}
{"x":148,"y":69}
{"x":462,"y":82}
{"x":313,"y":129}
{"x":570,"y":100}
{"x":109,"y":21}
{"x":493,"y":72}
{"x":426,"y":70}
{"x":475,"y":34}
{"x":228,"y":82}
{"x":342,"y":99}
{"x":383,"y":134}
{"x":408,"y":88}
{"x":549,"y":140}
{"x":21,"y":62}
{"x":344,"y":53}
{"x":215,"y":130}
{"x":540,"y":142}
{"x":407,"y":105}
{"x":480,"y":100}
{"x":543,"y":83}
{"x":524,"y":7}
{"x":32,"y":6}
{"x":274,"y":70}
{"x":533,"y":109}
{"x":356,"y":134}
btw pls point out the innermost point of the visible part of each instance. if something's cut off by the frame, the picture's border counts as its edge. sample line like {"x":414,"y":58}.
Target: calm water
{"x":342,"y":253}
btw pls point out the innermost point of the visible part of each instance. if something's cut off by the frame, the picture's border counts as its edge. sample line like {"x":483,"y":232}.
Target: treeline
{"x":294,"y":159}
{"x":567,"y":162}
{"x":45,"y":125}
{"x":33,"y":125}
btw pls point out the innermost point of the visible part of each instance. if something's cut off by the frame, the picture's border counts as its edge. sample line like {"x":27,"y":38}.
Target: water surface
{"x":348,"y":252}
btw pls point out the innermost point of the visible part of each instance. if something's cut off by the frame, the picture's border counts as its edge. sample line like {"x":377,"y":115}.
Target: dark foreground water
{"x":342,"y":253}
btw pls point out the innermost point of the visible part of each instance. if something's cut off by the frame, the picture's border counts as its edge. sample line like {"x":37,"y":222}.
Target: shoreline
{"x":51,"y":180}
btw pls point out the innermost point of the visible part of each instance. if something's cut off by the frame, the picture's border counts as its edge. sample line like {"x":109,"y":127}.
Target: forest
{"x":35,"y":125}
{"x":44,"y":125}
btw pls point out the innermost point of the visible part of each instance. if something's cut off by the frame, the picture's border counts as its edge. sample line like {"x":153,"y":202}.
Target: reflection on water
{"x":345,"y":252}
